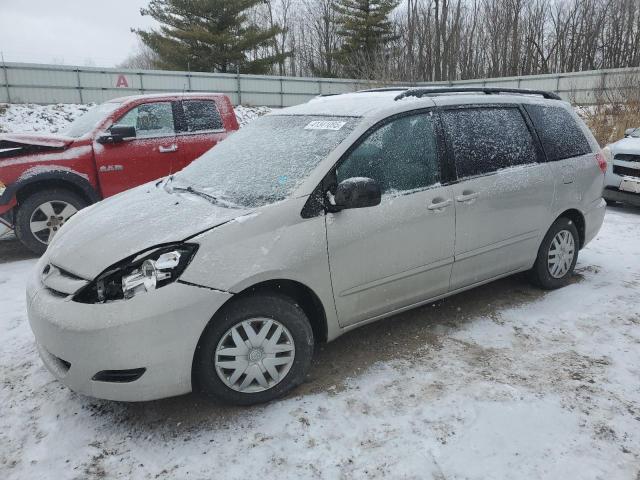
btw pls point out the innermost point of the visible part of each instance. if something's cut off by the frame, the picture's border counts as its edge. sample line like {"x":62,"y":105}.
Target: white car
{"x":622,"y":181}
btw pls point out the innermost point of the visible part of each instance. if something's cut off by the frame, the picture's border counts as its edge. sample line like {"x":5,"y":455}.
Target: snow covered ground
{"x":54,"y":118}
{"x":502,"y":382}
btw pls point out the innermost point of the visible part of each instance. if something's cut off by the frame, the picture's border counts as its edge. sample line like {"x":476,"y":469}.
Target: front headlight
{"x":3,"y":187}
{"x":147,"y":271}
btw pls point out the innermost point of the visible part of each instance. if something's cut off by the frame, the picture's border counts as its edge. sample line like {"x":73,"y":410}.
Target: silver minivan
{"x":308,"y":223}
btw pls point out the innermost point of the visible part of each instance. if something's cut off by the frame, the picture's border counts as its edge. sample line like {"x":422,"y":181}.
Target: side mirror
{"x":629,"y":131}
{"x":357,"y":192}
{"x":117,"y":134}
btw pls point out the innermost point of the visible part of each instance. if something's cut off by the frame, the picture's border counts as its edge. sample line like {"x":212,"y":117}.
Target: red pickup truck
{"x":45,"y":179}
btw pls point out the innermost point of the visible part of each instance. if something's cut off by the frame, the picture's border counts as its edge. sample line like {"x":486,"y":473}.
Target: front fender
{"x":46,"y":174}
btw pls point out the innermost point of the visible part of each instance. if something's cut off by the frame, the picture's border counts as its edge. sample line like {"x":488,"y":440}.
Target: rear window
{"x":487,"y":139}
{"x":560,"y":134}
{"x":201,"y":115}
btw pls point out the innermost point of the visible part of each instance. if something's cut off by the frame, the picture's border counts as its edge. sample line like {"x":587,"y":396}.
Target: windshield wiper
{"x":193,"y":191}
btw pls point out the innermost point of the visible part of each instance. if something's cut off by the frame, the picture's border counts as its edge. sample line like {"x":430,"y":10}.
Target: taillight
{"x":602,"y":161}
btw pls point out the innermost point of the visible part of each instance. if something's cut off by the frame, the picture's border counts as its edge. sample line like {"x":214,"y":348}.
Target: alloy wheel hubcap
{"x":254,"y":355}
{"x":561,"y":253}
{"x":48,"y":218}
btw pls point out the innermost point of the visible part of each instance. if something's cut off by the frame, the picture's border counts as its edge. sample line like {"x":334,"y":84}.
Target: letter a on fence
{"x":122,"y":82}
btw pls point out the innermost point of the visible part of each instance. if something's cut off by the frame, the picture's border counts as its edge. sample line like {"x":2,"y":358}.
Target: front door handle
{"x":467,"y":197}
{"x":439,"y":205}
{"x":169,"y":149}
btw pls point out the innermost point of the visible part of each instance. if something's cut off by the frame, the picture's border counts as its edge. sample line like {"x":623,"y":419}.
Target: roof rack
{"x":422,"y":91}
{"x":384,"y":89}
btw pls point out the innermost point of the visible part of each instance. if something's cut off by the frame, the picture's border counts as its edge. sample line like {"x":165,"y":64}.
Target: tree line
{"x":391,"y":40}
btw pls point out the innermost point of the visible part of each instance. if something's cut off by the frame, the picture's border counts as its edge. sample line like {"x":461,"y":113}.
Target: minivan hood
{"x":11,"y":140}
{"x":128,"y":223}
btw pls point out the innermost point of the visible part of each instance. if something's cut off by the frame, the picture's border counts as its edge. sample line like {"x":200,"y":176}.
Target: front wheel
{"x":253,"y":351}
{"x":41,"y":215}
{"x":557,"y":255}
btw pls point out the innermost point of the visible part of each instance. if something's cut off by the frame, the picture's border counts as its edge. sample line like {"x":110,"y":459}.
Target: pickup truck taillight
{"x":602,"y":161}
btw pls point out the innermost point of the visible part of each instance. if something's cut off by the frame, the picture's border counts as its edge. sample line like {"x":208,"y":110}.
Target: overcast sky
{"x":82,"y":32}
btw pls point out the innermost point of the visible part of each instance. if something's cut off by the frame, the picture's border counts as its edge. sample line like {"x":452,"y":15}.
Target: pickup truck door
{"x":148,"y":156}
{"x":200,"y":127}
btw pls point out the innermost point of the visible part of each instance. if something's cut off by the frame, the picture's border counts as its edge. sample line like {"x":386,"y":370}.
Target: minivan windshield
{"x":266,"y":160}
{"x":85,"y":123}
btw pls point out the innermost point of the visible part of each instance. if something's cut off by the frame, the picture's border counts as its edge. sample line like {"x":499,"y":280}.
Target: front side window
{"x":485,"y":140}
{"x":559,"y":132}
{"x":201,"y":115}
{"x":150,"y":120}
{"x":402,"y":155}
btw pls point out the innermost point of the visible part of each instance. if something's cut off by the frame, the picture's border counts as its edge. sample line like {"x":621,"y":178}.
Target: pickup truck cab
{"x":120,"y":144}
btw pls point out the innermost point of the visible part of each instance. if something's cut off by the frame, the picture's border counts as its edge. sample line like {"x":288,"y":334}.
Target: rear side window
{"x":487,"y":139}
{"x":401,"y":155}
{"x":201,"y":115}
{"x":559,"y":133}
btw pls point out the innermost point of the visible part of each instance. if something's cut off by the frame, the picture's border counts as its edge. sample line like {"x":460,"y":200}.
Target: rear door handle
{"x":439,"y":205}
{"x":467,"y":197}
{"x":169,"y":149}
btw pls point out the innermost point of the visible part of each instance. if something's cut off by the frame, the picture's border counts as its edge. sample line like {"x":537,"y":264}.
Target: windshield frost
{"x":265,"y":161}
{"x":89,"y":120}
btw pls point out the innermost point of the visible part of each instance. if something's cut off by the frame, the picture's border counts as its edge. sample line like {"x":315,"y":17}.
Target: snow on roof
{"x":358,"y":104}
{"x":165,"y":95}
{"x":366,"y":103}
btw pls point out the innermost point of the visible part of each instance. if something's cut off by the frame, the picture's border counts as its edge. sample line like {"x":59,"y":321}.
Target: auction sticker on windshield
{"x":324,"y":125}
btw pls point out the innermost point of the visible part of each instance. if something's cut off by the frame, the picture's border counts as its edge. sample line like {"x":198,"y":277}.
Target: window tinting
{"x":201,"y":115}
{"x":150,"y":119}
{"x":559,"y":133}
{"x":487,"y":139}
{"x":401,"y":155}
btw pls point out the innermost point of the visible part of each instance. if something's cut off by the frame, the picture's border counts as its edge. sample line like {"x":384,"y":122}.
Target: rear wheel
{"x":41,"y":215}
{"x":557,"y":255}
{"x":253,"y":351}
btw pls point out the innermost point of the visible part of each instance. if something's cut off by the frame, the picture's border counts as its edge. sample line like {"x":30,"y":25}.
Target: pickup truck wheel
{"x":41,"y":215}
{"x":255,"y":350}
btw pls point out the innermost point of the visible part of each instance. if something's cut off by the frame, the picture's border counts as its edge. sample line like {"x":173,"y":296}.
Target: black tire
{"x":540,"y":274}
{"x":27,"y":208}
{"x":266,"y":305}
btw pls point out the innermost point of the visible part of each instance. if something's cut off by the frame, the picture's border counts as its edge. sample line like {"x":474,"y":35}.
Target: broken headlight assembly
{"x":144,"y":272}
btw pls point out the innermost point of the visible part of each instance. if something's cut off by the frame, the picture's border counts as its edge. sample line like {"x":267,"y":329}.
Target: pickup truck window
{"x":87,"y":122}
{"x":201,"y":115}
{"x":150,"y":119}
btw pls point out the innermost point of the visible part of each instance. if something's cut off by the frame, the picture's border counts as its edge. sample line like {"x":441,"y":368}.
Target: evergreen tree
{"x":365,"y":29}
{"x":209,"y":36}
